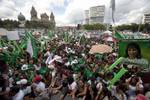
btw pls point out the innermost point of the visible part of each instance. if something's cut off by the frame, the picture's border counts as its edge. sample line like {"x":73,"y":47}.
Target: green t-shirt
{"x":88,"y":73}
{"x":43,"y":70}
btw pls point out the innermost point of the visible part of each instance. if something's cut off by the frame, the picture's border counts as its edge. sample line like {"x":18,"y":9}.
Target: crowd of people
{"x":68,"y":69}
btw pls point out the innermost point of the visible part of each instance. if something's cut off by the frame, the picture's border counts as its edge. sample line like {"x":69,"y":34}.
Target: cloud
{"x":75,"y":10}
{"x":11,"y":8}
{"x":72,"y":11}
{"x":131,"y":11}
{"x":127,"y":11}
{"x":7,"y":9}
{"x":19,"y":3}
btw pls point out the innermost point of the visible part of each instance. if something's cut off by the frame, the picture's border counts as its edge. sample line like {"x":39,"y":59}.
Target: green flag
{"x":32,"y":48}
{"x":119,"y":35}
{"x":50,"y":34}
{"x":23,"y":43}
{"x":88,"y":73}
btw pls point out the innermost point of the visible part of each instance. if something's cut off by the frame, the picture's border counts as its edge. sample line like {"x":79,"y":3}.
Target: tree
{"x":1,"y":23}
{"x":9,"y":24}
{"x":94,"y":27}
{"x":147,"y":27}
{"x":28,"y":24}
{"x":134,"y":27}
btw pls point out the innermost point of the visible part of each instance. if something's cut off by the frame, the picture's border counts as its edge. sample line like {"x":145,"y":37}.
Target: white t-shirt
{"x":27,"y":90}
{"x":119,"y":96}
{"x":40,"y":86}
{"x":99,"y":86}
{"x":48,"y":54}
{"x":49,"y":57}
{"x":37,"y":67}
{"x":148,"y":95}
{"x":131,"y":91}
{"x":73,"y":86}
{"x":106,"y":98}
{"x":19,"y":96}
{"x":11,"y":80}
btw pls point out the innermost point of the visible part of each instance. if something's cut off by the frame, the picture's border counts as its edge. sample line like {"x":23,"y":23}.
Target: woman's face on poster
{"x":132,"y":52}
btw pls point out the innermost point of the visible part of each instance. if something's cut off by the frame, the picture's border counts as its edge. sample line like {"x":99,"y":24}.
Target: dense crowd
{"x":68,"y":69}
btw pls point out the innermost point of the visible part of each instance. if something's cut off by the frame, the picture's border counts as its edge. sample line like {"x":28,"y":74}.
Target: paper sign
{"x":12,"y":35}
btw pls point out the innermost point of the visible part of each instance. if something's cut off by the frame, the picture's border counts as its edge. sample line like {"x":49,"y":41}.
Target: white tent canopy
{"x":107,"y":32}
{"x":3,"y":32}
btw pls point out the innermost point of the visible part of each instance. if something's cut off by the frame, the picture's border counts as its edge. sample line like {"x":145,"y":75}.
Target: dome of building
{"x":21,"y":17}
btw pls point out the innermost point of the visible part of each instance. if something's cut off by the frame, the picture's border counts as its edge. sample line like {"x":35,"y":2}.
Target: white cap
{"x":51,"y":66}
{"x":74,"y":62}
{"x":58,"y":58}
{"x":67,"y":63}
{"x":5,"y":48}
{"x":24,"y":67}
{"x":22,"y":60}
{"x":22,"y":81}
{"x":83,"y":54}
{"x":114,"y":54}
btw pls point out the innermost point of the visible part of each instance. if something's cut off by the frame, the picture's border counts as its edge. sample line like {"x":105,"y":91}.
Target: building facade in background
{"x":87,"y":17}
{"x":147,"y":18}
{"x":95,"y":15}
{"x":22,"y":20}
{"x":46,"y":21}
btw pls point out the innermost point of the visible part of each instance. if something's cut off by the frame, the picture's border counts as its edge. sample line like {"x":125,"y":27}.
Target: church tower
{"x":33,"y":13}
{"x":52,"y":20}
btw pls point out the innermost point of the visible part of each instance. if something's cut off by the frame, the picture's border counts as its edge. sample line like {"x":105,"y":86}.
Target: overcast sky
{"x":72,"y":11}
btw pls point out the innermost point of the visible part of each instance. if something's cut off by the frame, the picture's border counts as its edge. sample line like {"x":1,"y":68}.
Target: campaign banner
{"x":136,"y":51}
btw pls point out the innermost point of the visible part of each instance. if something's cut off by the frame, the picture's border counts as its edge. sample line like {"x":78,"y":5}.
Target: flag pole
{"x":140,"y":23}
{"x":112,"y":6}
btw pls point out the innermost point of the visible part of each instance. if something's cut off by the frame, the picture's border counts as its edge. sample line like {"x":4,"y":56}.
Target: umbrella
{"x":102,"y":48}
